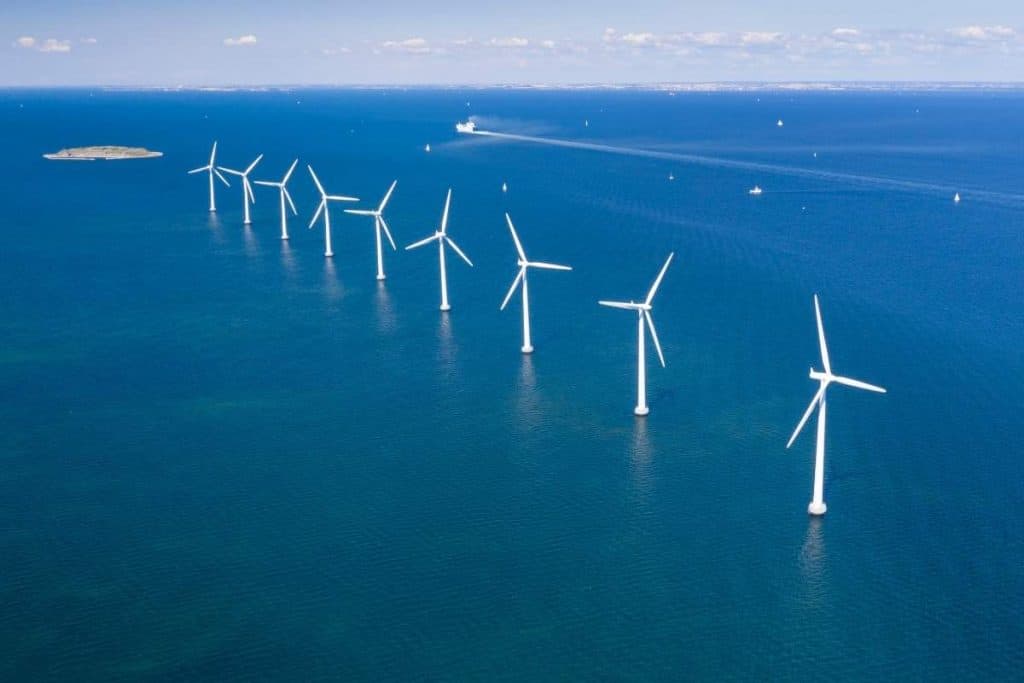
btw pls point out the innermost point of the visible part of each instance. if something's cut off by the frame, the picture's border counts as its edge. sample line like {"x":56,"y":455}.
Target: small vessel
{"x":504,"y":187}
{"x":586,"y":123}
{"x":779,"y":123}
{"x":671,"y":176}
{"x":465,"y":127}
{"x":755,"y":190}
{"x":427,"y":148}
{"x":956,"y":198}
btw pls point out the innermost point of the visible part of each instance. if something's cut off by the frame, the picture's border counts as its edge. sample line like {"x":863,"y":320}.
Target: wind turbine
{"x":441,"y":237}
{"x":284,"y":195}
{"x":643,"y":311}
{"x":379,"y":225}
{"x":323,"y":208}
{"x":247,"y":194}
{"x":524,"y":264}
{"x":212,"y":170}
{"x":817,"y":505}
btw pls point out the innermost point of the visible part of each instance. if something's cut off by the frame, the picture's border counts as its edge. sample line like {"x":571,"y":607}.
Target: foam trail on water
{"x":703,"y":160}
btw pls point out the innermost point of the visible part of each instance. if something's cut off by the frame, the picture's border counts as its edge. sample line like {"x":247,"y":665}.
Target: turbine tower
{"x":283,"y":191}
{"x":442,"y":238}
{"x":324,"y":199}
{"x":212,"y":170}
{"x":379,"y":225}
{"x":644,"y":318}
{"x":247,"y":194}
{"x":817,"y":505}
{"x":520,"y":281}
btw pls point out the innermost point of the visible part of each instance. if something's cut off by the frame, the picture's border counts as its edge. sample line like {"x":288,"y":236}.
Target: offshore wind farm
{"x":234,"y":451}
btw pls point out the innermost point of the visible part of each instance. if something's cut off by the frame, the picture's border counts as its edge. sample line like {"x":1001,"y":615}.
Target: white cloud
{"x":845,"y":33}
{"x":89,"y":41}
{"x":240,"y":41}
{"x":549,"y":44}
{"x":638,"y":38}
{"x":761,"y":38}
{"x":25,"y":42}
{"x":984,"y":33}
{"x":54,"y":45}
{"x":513,"y":41}
{"x":332,"y":51}
{"x":412,"y":46}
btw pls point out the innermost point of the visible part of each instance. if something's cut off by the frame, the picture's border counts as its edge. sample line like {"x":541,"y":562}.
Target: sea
{"x":226,"y":457}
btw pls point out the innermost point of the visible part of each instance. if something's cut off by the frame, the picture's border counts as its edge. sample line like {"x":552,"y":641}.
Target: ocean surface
{"x":224,"y":457}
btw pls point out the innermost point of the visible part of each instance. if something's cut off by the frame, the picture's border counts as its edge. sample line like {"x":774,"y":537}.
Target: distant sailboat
{"x":504,"y":187}
{"x":779,"y":123}
{"x":427,"y":148}
{"x":671,"y":176}
{"x":586,"y":123}
{"x":956,"y":198}
{"x":755,"y":190}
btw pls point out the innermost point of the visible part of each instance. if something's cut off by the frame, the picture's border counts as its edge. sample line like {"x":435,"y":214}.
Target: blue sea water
{"x":224,"y":457}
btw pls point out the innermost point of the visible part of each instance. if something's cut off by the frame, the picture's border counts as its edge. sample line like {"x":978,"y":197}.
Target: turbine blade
{"x":222,"y":178}
{"x":289,"y":173}
{"x":807,"y":413}
{"x":319,"y":210}
{"x":427,"y":240}
{"x":387,"y":233}
{"x":444,"y":219}
{"x":512,"y":289}
{"x":288,"y":196}
{"x":621,"y":304}
{"x":547,"y":266}
{"x":457,"y":250}
{"x":253,"y":165}
{"x":248,"y":189}
{"x":268,"y":183}
{"x":229,"y":170}
{"x":199,"y":170}
{"x":515,"y":238}
{"x":316,"y":180}
{"x":857,"y":383}
{"x":361,"y":212}
{"x":657,"y":283}
{"x":384,"y":202}
{"x":213,"y":152}
{"x":654,"y":336}
{"x":342,"y":198}
{"x":821,"y":338}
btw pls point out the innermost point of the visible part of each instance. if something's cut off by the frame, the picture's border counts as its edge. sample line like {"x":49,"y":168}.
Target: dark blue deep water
{"x":225,"y":458}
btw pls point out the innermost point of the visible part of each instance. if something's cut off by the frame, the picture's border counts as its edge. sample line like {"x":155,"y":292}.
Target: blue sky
{"x":187,"y":42}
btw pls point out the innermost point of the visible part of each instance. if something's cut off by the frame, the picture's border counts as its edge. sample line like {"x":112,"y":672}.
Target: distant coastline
{"x":106,"y":152}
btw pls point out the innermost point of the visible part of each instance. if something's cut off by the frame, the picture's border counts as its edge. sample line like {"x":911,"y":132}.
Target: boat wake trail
{"x":854,"y":179}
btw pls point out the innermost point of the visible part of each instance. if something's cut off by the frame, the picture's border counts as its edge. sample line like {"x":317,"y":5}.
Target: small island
{"x":103,"y":152}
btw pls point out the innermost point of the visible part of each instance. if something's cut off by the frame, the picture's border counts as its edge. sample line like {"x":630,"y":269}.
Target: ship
{"x":755,"y":190}
{"x":465,"y":127}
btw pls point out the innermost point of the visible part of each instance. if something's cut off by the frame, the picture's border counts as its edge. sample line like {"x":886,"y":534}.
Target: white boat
{"x":465,"y":127}
{"x":504,"y":187}
{"x":755,"y":190}
{"x":779,"y":123}
{"x":427,"y":148}
{"x":956,"y":198}
{"x":671,"y":176}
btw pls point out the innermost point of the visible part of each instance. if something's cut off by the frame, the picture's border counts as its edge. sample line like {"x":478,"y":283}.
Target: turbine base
{"x":527,"y":349}
{"x":816,"y":509}
{"x":446,"y":307}
{"x":328,"y":254}
{"x":381,"y":276}
{"x":641,"y":411}
{"x":284,"y":237}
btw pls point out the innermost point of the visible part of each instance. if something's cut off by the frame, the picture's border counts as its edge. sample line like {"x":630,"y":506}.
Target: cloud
{"x":240,"y":41}
{"x":89,"y":41}
{"x":984,"y":33}
{"x":513,"y":41}
{"x":548,"y":44}
{"x":332,"y":51}
{"x":48,"y":45}
{"x":412,"y":46}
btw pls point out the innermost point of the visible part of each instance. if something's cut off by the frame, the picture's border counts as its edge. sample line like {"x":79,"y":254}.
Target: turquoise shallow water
{"x":222,"y":457}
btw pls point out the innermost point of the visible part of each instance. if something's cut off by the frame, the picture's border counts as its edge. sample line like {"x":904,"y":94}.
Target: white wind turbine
{"x":283,"y":191}
{"x":212,"y":170}
{"x":643,"y":318}
{"x":247,"y":194}
{"x":379,"y":225}
{"x":324,"y":199}
{"x":521,"y":281}
{"x":817,"y":505}
{"x":441,"y":237}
